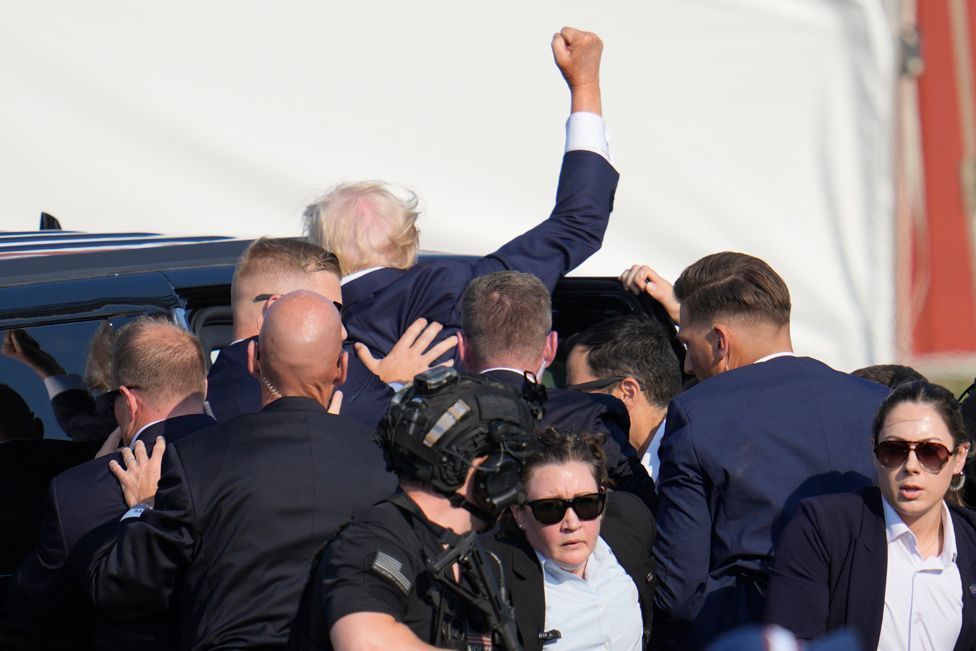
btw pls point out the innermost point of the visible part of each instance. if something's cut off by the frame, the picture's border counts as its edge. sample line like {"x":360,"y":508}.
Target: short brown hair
{"x":279,"y":256}
{"x":733,"y":284}
{"x":505,"y":314}
{"x":161,"y":359}
{"x":366,"y":224}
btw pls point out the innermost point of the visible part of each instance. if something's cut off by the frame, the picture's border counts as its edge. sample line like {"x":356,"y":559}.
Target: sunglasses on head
{"x":933,"y":456}
{"x":261,"y":298}
{"x":551,"y":511}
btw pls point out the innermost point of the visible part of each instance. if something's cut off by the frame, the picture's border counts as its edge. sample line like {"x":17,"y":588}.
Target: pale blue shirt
{"x":600,"y":611}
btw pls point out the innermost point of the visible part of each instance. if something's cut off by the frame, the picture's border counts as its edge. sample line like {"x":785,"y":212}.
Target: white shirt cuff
{"x":57,"y":384}
{"x":136,"y":512}
{"x":588,"y":132}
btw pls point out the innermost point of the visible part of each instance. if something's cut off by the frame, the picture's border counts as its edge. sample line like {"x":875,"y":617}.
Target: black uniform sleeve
{"x":369,"y":568}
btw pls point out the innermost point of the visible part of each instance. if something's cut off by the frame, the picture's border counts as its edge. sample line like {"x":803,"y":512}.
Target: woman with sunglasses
{"x":894,"y":563}
{"x":576,"y":559}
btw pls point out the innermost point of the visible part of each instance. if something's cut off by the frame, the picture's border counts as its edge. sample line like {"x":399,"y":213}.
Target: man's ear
{"x":628,"y":392}
{"x":253,"y":359}
{"x":342,"y":370}
{"x":464,"y":351}
{"x":721,"y":340}
{"x":38,"y":428}
{"x":129,"y":400}
{"x":549,"y":351}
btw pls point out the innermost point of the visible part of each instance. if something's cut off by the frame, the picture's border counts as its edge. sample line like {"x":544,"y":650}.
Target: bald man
{"x":242,"y":507}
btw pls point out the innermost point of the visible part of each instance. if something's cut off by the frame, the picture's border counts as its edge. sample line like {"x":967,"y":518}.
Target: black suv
{"x":60,"y":286}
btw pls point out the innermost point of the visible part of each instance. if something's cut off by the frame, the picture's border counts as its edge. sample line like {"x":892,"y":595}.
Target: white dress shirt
{"x":599,"y":611}
{"x":923,"y":597}
{"x":652,"y":458}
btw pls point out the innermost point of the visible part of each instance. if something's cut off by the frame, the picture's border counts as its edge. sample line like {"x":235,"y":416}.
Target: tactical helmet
{"x":438,"y":425}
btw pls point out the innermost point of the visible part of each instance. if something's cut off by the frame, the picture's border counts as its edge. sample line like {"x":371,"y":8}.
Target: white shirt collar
{"x":132,"y":443}
{"x":504,"y":368}
{"x":895,"y":528}
{"x":357,"y":274}
{"x":785,"y":353}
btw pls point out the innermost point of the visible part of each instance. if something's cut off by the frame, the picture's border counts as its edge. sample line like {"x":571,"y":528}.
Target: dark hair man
{"x":373,"y":231}
{"x":630,"y":358}
{"x":456,"y":443}
{"x":762,"y":429}
{"x":159,"y":375}
{"x":243,"y":506}
{"x":506,"y":321}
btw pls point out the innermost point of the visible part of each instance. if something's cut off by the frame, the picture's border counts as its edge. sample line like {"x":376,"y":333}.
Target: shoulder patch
{"x":391,"y":569}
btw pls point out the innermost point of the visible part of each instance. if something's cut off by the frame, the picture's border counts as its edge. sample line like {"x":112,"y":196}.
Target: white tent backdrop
{"x":755,"y":125}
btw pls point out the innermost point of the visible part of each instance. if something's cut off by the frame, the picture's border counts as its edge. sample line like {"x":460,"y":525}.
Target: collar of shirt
{"x":896,"y":528}
{"x":357,"y":274}
{"x":132,"y":443}
{"x":785,"y":353}
{"x":504,"y":368}
{"x":652,"y":458}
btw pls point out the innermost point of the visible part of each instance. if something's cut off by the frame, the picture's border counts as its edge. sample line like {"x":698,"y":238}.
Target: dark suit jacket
{"x":232,"y":391}
{"x":240,"y":512}
{"x":82,"y":417}
{"x":597,"y":414}
{"x":380,"y":306}
{"x":79,"y":500}
{"x":831,"y":563}
{"x":740,"y":450}
{"x":628,"y":528}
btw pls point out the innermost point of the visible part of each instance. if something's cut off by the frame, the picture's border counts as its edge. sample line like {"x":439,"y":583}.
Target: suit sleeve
{"x":574,"y":230}
{"x":131,"y":569}
{"x":684,"y":522}
{"x":82,"y":417}
{"x":799,"y":597}
{"x":37,"y":588}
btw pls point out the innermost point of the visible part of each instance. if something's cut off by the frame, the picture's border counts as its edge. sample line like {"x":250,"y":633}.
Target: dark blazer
{"x":740,"y":450}
{"x":597,"y":414}
{"x":82,"y":417}
{"x":380,"y":306}
{"x":232,"y":391}
{"x":628,"y":528}
{"x":241,"y":510}
{"x":79,"y":500}
{"x":831,"y":563}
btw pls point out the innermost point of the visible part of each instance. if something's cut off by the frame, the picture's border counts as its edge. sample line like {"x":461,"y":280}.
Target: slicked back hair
{"x":159,"y":358}
{"x":366,"y":225}
{"x":505,"y":315}
{"x":635,"y":346}
{"x":733,"y":284}
{"x":279,"y":257}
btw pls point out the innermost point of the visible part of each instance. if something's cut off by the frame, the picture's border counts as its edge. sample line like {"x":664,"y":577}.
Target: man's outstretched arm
{"x":587,"y":181}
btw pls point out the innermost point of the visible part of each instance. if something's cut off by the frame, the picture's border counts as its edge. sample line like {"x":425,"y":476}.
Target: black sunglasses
{"x":261,"y":298}
{"x":552,"y":510}
{"x":933,"y":456}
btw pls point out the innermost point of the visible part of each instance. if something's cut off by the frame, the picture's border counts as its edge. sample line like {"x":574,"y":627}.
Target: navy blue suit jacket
{"x":241,"y":510}
{"x":232,"y":391}
{"x":79,"y":501}
{"x":830,"y":568}
{"x":380,"y":306}
{"x":740,"y":450}
{"x":596,"y":414}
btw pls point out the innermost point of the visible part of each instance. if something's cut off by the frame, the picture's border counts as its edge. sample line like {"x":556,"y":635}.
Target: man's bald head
{"x":299,"y":351}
